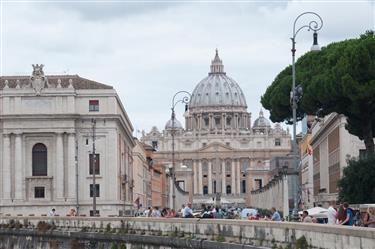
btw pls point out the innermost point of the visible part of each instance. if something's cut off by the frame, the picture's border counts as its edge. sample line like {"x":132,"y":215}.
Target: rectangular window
{"x":93,"y":105}
{"x":97,"y":164}
{"x":97,"y":189}
{"x":277,"y":142}
{"x":258,"y":184}
{"x":243,"y":186}
{"x":155,"y":145}
{"x":39,"y":192}
{"x":92,"y":213}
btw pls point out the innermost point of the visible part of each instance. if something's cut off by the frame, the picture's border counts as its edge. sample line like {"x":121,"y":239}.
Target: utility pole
{"x":93,"y":122}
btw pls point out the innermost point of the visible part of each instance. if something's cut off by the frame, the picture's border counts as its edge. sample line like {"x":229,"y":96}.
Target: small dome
{"x":261,"y":121}
{"x":173,"y":125}
{"x":217,"y":89}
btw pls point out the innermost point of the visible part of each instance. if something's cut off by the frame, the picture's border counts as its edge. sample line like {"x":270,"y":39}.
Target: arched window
{"x":39,"y":160}
{"x":205,"y":190}
{"x":229,"y":189}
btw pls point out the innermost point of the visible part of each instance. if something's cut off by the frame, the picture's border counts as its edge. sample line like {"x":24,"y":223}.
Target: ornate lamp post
{"x":296,"y":92}
{"x":185,"y":100}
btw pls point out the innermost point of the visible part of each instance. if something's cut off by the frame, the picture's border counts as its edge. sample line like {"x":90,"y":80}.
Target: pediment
{"x":216,"y":147}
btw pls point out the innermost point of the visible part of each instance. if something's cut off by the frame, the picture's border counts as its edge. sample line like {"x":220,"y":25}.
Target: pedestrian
{"x":305,"y":217}
{"x":275,"y":215}
{"x":187,"y":212}
{"x":52,"y":212}
{"x":341,"y":216}
{"x":332,"y":216}
{"x":349,"y":215}
{"x":369,"y":219}
{"x":72,"y":212}
{"x":156,"y":212}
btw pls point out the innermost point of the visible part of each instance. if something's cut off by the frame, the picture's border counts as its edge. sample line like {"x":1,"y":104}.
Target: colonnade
{"x":238,"y":120}
{"x":216,"y":172}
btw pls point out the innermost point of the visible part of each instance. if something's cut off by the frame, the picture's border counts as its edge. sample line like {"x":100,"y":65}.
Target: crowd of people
{"x":343,"y":215}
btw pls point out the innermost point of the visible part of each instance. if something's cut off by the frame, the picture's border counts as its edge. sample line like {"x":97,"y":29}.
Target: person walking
{"x":275,"y":215}
{"x":349,"y":215}
{"x":332,"y":216}
{"x":305,"y":217}
{"x":187,"y":212}
{"x":369,"y":219}
{"x":341,"y":216}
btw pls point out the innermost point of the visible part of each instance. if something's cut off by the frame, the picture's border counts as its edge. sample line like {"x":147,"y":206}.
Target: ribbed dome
{"x":261,"y":121}
{"x":217,"y":89}
{"x":176,"y":124}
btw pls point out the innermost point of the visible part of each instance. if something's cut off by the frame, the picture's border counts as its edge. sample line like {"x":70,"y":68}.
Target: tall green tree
{"x":340,"y":78}
{"x":357,"y":184}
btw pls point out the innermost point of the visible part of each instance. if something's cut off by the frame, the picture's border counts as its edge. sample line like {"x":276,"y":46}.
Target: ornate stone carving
{"x":38,"y":80}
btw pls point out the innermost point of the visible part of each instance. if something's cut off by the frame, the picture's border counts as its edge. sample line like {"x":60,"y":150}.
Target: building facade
{"x":220,"y":154}
{"x":48,"y":124}
{"x":331,"y":146}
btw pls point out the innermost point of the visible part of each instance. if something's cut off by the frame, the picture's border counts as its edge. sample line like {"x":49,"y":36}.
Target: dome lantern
{"x":217,"y":66}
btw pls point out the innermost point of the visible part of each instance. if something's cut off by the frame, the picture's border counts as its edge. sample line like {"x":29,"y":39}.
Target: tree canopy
{"x":340,"y":78}
{"x":357,"y":184}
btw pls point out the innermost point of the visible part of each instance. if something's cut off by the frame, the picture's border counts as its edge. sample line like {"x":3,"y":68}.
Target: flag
{"x":309,"y":150}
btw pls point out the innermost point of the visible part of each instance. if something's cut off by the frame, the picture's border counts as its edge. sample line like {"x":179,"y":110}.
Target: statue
{"x":38,"y":80}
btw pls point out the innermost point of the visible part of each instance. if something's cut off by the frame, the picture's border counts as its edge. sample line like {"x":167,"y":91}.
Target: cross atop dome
{"x":217,"y":66}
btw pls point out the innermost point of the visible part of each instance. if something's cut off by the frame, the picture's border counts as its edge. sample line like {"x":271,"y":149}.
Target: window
{"x":229,"y":121}
{"x":95,"y":159}
{"x":204,"y":144}
{"x":39,"y":192}
{"x":214,"y":187}
{"x":277,"y":142}
{"x":97,"y":213}
{"x":93,"y":105}
{"x":217,"y":122}
{"x":205,"y":190}
{"x":228,"y":175}
{"x":258,"y":183}
{"x":243,"y":186}
{"x":229,"y":189}
{"x":155,"y":144}
{"x":39,"y":160}
{"x":206,"y":122}
{"x":227,"y":144}
{"x":97,"y":189}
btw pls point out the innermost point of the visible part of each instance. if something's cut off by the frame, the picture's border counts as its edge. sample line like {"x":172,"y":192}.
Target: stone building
{"x":220,"y":154}
{"x":331,"y":145}
{"x":47,"y":124}
{"x":142,"y":170}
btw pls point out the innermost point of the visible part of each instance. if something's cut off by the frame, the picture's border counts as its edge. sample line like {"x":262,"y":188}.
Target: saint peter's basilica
{"x":220,"y":155}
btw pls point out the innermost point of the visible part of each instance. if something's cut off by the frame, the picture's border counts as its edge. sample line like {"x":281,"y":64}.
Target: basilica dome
{"x":261,"y":121}
{"x":217,"y":89}
{"x":173,"y":125}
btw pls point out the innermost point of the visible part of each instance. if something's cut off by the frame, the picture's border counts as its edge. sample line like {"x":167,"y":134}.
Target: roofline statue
{"x":38,"y":80}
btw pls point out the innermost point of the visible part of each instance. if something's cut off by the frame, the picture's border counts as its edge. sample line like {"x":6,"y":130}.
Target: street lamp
{"x":185,"y":100}
{"x":296,"y":92}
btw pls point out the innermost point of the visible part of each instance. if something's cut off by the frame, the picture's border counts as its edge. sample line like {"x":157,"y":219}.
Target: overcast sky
{"x":150,"y":50}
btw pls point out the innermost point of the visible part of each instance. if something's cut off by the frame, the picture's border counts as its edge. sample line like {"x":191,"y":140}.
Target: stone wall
{"x":238,"y":232}
{"x":277,"y":193}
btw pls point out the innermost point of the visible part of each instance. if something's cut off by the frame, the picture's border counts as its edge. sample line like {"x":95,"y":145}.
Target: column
{"x":71,"y":176}
{"x":200,"y":178}
{"x":239,"y":176}
{"x":223,"y":177}
{"x":18,"y":176}
{"x":223,"y":121}
{"x":233,"y":175}
{"x":6,"y":167}
{"x":285,"y":195}
{"x":209,"y":176}
{"x":195,"y":177}
{"x":59,"y":170}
